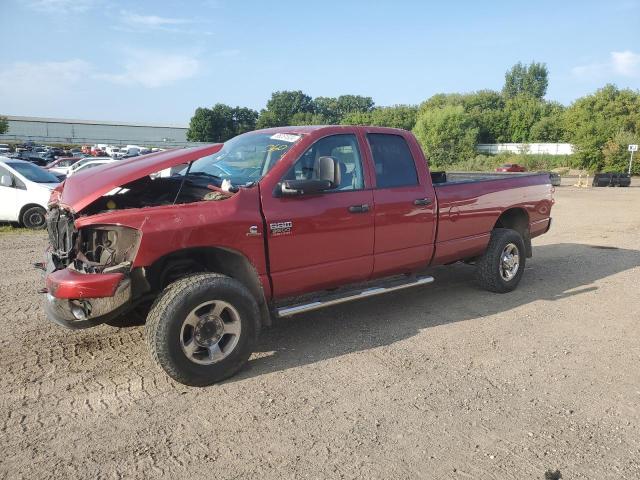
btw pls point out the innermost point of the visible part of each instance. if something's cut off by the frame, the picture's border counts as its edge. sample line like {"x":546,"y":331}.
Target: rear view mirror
{"x":6,"y":181}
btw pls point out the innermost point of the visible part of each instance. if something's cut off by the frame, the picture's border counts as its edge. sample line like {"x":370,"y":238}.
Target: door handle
{"x":359,"y":208}
{"x":422,"y":201}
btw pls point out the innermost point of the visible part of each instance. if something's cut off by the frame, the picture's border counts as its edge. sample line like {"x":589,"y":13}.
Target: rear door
{"x":322,"y":240}
{"x":405,"y":205}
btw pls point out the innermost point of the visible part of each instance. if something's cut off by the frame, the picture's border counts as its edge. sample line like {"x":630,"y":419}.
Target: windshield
{"x":33,"y":173}
{"x":246,"y":158}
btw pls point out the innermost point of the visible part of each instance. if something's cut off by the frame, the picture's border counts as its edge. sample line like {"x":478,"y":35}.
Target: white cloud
{"x":150,"y":21}
{"x":626,"y":63}
{"x":154,"y":69}
{"x":620,"y":64}
{"x":61,"y":6}
{"x":42,"y":78}
{"x":37,"y":87}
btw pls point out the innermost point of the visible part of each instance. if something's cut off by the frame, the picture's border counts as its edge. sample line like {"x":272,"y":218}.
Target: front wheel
{"x":202,"y":328}
{"x":501,"y":266}
{"x":34,"y":218}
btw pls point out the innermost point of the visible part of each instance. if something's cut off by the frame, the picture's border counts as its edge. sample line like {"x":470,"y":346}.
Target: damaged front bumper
{"x":80,"y":300}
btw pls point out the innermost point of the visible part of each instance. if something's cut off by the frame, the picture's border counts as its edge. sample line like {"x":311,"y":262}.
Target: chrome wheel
{"x":509,"y":262}
{"x":210,"y":332}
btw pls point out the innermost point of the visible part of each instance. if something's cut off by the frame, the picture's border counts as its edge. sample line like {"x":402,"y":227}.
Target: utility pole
{"x":632,"y":148}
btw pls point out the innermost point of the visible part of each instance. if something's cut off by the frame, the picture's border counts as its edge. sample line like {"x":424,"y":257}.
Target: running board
{"x":370,"y":292}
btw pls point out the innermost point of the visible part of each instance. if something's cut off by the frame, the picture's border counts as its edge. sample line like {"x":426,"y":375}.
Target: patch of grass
{"x":7,"y":228}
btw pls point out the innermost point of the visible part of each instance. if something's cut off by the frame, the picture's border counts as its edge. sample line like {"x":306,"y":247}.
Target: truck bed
{"x":469,"y":204}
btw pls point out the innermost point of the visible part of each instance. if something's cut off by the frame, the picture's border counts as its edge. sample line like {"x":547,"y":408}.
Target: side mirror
{"x":304,"y":187}
{"x":6,"y":181}
{"x":328,"y":173}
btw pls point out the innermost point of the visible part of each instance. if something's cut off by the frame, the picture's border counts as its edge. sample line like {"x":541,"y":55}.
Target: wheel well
{"x":516,"y":219}
{"x":181,"y":263}
{"x":27,"y":207}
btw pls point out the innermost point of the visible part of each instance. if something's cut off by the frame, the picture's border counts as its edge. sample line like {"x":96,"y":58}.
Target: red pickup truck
{"x":272,"y":223}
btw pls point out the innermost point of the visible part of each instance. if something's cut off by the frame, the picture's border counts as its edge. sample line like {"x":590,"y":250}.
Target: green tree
{"x":220,"y":123}
{"x":591,"y":121}
{"x":308,"y":118}
{"x":282,"y":106}
{"x":522,"y":112}
{"x":333,"y":109}
{"x":550,"y":127}
{"x":531,"y":80}
{"x":486,"y":108}
{"x":4,"y":125}
{"x":447,"y":134}
{"x":244,"y":120}
{"x":396,"y":116}
{"x":616,"y":155}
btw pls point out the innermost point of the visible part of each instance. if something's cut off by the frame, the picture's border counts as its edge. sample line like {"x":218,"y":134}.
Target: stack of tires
{"x":611,"y":180}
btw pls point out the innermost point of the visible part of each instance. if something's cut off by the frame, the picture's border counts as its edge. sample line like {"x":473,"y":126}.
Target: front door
{"x":321,"y":240}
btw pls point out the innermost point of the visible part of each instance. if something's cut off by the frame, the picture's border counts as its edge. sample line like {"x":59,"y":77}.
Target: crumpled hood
{"x":84,"y":188}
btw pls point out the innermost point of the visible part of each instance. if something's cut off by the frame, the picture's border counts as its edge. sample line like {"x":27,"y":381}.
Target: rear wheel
{"x":34,"y":218}
{"x":501,"y":266}
{"x":202,"y":329}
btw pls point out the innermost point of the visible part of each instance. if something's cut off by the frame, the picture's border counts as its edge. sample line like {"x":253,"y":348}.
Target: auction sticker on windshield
{"x":285,"y":137}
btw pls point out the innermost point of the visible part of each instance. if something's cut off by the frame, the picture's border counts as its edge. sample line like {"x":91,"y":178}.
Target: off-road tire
{"x":171,"y":308}
{"x":488,"y":265}
{"x":30,"y":215}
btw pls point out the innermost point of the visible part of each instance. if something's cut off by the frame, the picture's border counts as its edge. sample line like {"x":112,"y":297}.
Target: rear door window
{"x":393,"y":161}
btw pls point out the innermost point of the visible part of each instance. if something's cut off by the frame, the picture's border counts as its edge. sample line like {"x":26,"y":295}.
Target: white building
{"x":521,"y":148}
{"x":60,"y":130}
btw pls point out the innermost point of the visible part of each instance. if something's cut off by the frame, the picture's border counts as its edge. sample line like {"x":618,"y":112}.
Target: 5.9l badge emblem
{"x":281,"y":228}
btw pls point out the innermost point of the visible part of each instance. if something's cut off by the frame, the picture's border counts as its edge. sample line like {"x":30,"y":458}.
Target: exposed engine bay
{"x":151,"y":192}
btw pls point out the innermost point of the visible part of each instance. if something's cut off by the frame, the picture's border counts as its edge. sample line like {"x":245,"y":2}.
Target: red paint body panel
{"x":167,"y":229}
{"x":71,"y":284}
{"x":328,"y":245}
{"x":469,"y":210}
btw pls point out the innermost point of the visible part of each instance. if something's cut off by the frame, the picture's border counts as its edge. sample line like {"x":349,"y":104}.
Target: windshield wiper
{"x":204,"y":174}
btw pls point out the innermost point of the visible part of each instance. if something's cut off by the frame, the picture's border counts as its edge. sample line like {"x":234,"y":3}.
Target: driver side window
{"x":344,"y":149}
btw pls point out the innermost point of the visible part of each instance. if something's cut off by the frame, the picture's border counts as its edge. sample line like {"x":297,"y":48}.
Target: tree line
{"x":450,"y":125}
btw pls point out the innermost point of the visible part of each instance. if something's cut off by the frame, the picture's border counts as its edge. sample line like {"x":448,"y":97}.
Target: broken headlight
{"x":106,"y":248}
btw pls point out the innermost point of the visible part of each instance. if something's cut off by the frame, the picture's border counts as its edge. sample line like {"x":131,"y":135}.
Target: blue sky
{"x":156,"y":61}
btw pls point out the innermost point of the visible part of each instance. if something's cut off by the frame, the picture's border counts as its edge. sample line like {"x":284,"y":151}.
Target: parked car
{"x":299,"y":211}
{"x":511,"y":167}
{"x":24,"y":192}
{"x":62,"y":165}
{"x":4,"y":148}
{"x":83,"y":166}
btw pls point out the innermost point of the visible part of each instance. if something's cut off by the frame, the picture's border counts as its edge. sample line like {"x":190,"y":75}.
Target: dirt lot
{"x":444,"y":381}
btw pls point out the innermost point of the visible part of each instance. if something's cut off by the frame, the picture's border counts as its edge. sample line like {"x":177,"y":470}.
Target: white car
{"x":84,"y":165}
{"x":61,"y":166}
{"x":4,"y":148}
{"x":25,"y":189}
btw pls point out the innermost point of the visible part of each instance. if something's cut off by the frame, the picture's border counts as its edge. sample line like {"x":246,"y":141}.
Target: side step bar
{"x":370,"y":292}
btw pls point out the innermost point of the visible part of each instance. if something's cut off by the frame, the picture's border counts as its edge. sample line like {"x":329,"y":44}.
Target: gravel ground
{"x":444,"y":381}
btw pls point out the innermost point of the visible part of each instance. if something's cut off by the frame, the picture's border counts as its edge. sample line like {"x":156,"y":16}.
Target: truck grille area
{"x":62,"y":235}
